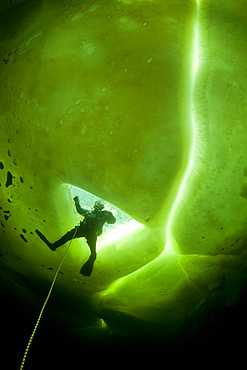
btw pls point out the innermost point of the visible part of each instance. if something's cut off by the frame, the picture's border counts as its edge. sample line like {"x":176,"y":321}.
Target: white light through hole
{"x":124,"y":223}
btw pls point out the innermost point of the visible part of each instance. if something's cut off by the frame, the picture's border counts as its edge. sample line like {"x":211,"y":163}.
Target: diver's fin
{"x":42,"y":237}
{"x":87,"y":268}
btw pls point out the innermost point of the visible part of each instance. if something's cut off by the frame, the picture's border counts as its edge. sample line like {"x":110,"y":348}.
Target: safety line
{"x":45,"y":303}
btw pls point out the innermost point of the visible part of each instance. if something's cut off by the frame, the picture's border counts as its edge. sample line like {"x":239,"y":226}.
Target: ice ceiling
{"x":141,"y":103}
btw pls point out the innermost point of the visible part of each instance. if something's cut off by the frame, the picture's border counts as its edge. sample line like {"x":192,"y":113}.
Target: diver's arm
{"x":113,"y":220}
{"x":81,"y":211}
{"x":110,"y":219}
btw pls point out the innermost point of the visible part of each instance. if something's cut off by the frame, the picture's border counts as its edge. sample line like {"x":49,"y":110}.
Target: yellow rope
{"x":45,"y":303}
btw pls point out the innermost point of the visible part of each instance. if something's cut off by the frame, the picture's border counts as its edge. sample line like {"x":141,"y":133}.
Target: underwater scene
{"x":123,"y":183}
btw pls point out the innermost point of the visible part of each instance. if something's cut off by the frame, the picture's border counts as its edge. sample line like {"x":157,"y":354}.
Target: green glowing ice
{"x":142,"y":104}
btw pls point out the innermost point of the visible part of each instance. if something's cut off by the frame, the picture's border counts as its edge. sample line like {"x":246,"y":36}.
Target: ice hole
{"x":124,"y":223}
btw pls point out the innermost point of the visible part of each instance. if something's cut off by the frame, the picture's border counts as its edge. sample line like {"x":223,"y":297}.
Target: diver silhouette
{"x":90,"y":228}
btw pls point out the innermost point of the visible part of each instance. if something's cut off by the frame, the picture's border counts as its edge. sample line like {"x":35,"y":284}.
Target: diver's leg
{"x":87,"y":268}
{"x":68,"y":236}
{"x":64,"y":239}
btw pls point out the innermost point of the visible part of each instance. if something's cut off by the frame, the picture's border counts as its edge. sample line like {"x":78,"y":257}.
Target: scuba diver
{"x":90,"y":228}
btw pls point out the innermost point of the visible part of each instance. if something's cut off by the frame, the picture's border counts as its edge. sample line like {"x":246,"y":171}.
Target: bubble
{"x":123,"y":19}
{"x":37,"y":124}
{"x":90,"y":50}
{"x":84,"y":130}
{"x":111,"y":133}
{"x":60,"y":122}
{"x":150,"y":59}
{"x":107,"y":108}
{"x":93,"y":8}
{"x":70,"y":110}
{"x":77,"y":102}
{"x":78,"y":15}
{"x":145,"y":24}
{"x":82,"y":110}
{"x":82,"y":43}
{"x":103,"y":89}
